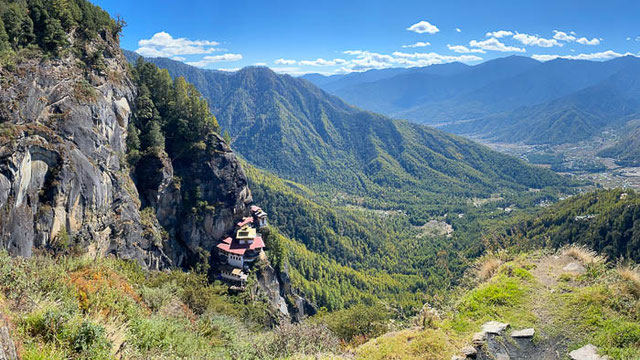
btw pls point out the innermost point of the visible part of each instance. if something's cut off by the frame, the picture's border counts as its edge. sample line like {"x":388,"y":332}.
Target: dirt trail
{"x":547,"y":271}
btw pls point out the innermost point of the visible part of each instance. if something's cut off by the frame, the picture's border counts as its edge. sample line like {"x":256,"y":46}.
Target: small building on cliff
{"x":238,"y":252}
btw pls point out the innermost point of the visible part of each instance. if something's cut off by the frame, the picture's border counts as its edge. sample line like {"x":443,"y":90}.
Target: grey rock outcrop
{"x":62,"y":179}
{"x":524,"y":333}
{"x":276,"y":286}
{"x":65,"y":183}
{"x":575,"y":268}
{"x":587,"y":352}
{"x":7,"y":347}
{"x":494,"y":327}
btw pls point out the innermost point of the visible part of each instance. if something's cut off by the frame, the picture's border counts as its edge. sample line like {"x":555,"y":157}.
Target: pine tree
{"x":54,"y":36}
{"x":4,"y":38}
{"x":26,"y":35}
{"x":152,"y":138}
{"x":226,"y":137}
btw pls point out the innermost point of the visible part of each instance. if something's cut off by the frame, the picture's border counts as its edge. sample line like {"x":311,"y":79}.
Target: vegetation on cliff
{"x":46,"y":25}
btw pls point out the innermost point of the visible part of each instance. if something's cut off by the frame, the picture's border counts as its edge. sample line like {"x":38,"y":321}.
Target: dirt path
{"x":548,"y":270}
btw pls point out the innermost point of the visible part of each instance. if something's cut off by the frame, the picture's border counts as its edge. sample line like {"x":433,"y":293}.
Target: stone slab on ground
{"x":575,"y":267}
{"x":469,"y":351}
{"x":494,"y":327}
{"x":587,"y":352}
{"x":524,"y":333}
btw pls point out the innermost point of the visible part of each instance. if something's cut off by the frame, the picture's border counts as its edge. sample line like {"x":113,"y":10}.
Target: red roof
{"x":227,"y":240}
{"x":255,"y":208}
{"x":239,"y":249}
{"x":245,"y":221}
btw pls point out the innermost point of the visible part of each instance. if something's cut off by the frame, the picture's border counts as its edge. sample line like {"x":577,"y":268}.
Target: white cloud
{"x":322,"y":62}
{"x":494,"y":44}
{"x":260,"y":64}
{"x":179,"y":58}
{"x":229,"y":70}
{"x":499,"y":34}
{"x":366,"y":60}
{"x":458,"y":30}
{"x":425,"y":59}
{"x":284,"y":62}
{"x":163,"y":44}
{"x":628,"y":38}
{"x":563,"y":36}
{"x":418,"y":44}
{"x":423,"y":27}
{"x":210,"y":59}
{"x":461,"y":49}
{"x":585,"y":41}
{"x":604,"y":55}
{"x":532,"y":40}
{"x":362,"y":60}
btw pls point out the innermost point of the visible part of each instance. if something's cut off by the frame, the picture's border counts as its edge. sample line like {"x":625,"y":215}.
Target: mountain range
{"x":294,"y":129}
{"x":512,"y":99}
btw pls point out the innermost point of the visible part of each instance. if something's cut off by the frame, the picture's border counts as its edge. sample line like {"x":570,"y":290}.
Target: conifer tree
{"x":226,"y":137}
{"x":4,"y":38}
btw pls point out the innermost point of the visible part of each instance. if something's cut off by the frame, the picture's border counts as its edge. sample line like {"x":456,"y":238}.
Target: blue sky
{"x":333,"y":36}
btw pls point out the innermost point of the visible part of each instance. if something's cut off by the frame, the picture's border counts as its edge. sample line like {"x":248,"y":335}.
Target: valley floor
{"x":579,"y":159}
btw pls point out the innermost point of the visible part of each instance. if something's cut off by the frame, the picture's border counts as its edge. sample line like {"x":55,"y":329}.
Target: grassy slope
{"x":600,"y":307}
{"x":75,"y":308}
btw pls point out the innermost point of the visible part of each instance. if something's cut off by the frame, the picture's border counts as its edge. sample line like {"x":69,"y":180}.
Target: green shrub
{"x":89,"y":340}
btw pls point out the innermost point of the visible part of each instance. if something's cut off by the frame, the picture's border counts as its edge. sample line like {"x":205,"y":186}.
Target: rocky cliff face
{"x":64,"y":183}
{"x":220,"y":182}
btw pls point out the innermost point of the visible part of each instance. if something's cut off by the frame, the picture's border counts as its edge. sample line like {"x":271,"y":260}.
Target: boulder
{"x":587,"y":352}
{"x":574,"y":268}
{"x":469,"y":351}
{"x":479,"y":338}
{"x":494,"y":327}
{"x":524,"y":333}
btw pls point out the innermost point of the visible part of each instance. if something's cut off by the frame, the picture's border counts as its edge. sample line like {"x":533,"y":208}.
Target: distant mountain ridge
{"x":291,"y":127}
{"x":513,"y":99}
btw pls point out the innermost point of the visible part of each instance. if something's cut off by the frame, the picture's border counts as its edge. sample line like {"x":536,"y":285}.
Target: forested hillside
{"x":292,"y":128}
{"x":627,"y":150}
{"x":607,"y":221}
{"x":364,"y":206}
{"x":45,"y":25}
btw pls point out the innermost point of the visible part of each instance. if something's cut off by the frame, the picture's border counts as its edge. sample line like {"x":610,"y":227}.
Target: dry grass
{"x":583,"y":254}
{"x":488,"y":268}
{"x":631,"y":275}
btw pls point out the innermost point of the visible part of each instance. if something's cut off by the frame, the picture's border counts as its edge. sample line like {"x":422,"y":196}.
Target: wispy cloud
{"x":284,"y":62}
{"x":563,"y":36}
{"x":461,"y":49}
{"x":322,"y":62}
{"x":366,"y":60}
{"x":533,"y":40}
{"x":604,"y":55}
{"x":494,"y":44}
{"x":499,"y":34}
{"x":210,"y":59}
{"x":163,"y":44}
{"x":585,"y":41}
{"x":418,"y":44}
{"x":458,"y":30}
{"x":423,"y":27}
